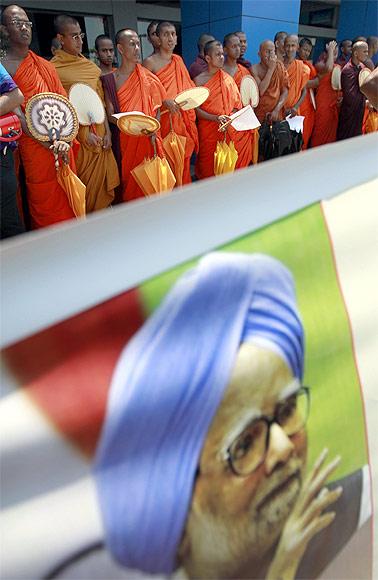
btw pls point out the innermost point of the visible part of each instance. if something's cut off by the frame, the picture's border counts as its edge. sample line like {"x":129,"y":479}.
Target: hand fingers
{"x":318,"y":525}
{"x":317,"y":482}
{"x":324,"y":499}
{"x":317,"y":465}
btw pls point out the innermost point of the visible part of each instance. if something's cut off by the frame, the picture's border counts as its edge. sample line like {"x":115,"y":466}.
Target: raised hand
{"x":306,"y":520}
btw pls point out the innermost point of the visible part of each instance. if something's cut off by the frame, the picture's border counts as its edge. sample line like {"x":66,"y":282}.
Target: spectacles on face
{"x":249,"y":449}
{"x":76,"y":36}
{"x":20,"y":23}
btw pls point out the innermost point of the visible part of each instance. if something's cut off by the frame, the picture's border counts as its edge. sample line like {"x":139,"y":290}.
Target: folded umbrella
{"x":74,"y":188}
{"x":174,"y":148}
{"x":225,"y":157}
{"x":154,"y":176}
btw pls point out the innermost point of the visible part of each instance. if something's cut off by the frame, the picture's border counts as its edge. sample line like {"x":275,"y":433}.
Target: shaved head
{"x":62,"y":21}
{"x":266,"y":44}
{"x":360,"y":44}
{"x":291,"y":38}
{"x":203,"y":39}
{"x":124,"y":32}
{"x":9,"y":12}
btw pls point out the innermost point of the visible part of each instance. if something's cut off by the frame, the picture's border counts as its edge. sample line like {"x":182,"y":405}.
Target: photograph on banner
{"x":217,"y":409}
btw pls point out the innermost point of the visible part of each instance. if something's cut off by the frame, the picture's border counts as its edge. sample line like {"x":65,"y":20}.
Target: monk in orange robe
{"x":137,"y":89}
{"x":273,"y":82}
{"x":174,"y":76}
{"x":47,"y":201}
{"x":224,"y":99}
{"x":96,"y":165}
{"x":298,"y":74}
{"x":232,"y":53}
{"x":307,"y":108}
{"x":327,"y":100}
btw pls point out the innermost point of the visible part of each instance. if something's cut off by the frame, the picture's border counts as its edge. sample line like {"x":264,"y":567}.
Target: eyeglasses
{"x":20,"y":23}
{"x":249,"y":449}
{"x":76,"y":36}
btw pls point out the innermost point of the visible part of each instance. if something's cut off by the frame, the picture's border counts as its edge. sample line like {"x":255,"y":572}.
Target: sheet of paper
{"x":245,"y":119}
{"x":295,"y":123}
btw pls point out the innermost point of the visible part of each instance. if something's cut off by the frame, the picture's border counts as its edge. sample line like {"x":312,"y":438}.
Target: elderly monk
{"x":174,"y":76}
{"x":279,"y":45}
{"x":47,"y":201}
{"x":224,"y":99}
{"x":273,"y":81}
{"x":327,"y":99}
{"x":353,"y":105}
{"x":202,"y":456}
{"x":345,"y":52}
{"x":133,"y":88}
{"x":299,"y":75}
{"x":96,"y":165}
{"x":307,"y":107}
{"x":199,"y":65}
{"x":232,"y":50}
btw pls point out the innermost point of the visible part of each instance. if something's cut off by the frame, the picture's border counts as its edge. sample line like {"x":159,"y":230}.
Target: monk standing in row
{"x":224,"y":99}
{"x":353,"y":105}
{"x":47,"y":201}
{"x":327,"y":99}
{"x":273,"y":82}
{"x":307,"y":106}
{"x":279,"y":45}
{"x":199,"y":65}
{"x":173,"y":74}
{"x":299,"y":75}
{"x":137,"y":89}
{"x":231,"y":49}
{"x":96,"y":165}
{"x":105,"y":53}
{"x":243,"y":50}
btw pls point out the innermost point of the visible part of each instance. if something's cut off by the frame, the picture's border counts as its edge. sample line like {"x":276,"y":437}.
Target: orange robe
{"x":326,"y":114}
{"x":47,"y":201}
{"x":270,"y":98}
{"x":224,"y":97}
{"x":242,"y":72}
{"x":141,"y":92}
{"x":299,"y":74}
{"x":370,"y":121}
{"x":96,"y":167}
{"x":175,"y":79}
{"x":307,"y":108}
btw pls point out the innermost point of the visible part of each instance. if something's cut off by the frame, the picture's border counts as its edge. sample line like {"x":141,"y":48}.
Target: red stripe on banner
{"x":358,"y":375}
{"x":67,"y":368}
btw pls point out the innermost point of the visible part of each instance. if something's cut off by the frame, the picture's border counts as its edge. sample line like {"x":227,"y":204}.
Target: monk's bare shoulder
{"x":149,"y":63}
{"x":201,"y":79}
{"x":257,"y":72}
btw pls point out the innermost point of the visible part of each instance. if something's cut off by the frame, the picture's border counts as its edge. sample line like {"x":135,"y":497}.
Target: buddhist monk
{"x":372,"y":42}
{"x":243,"y":50}
{"x":273,"y":81}
{"x":224,"y":99}
{"x":152,"y":36}
{"x":46,"y":200}
{"x":96,"y":165}
{"x":327,"y":99}
{"x":137,"y":89}
{"x":353,"y":105}
{"x":307,"y":108}
{"x":174,"y":76}
{"x":279,"y":42}
{"x":345,"y":52}
{"x":299,"y":75}
{"x":232,"y":50}
{"x":199,"y":65}
{"x":104,"y":48}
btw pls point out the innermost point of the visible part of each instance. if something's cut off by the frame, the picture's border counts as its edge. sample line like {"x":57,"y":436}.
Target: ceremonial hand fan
{"x":336,"y":78}
{"x":51,"y":117}
{"x":137,"y":123}
{"x":192,"y":98}
{"x":249,"y":92}
{"x":88,"y":105}
{"x":363,"y":76}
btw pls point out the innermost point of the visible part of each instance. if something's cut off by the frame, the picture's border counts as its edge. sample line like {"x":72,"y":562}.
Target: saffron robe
{"x":223,"y":99}
{"x":269,"y":100}
{"x":326,"y":114}
{"x":299,"y":74}
{"x":242,"y":72}
{"x":353,"y":105}
{"x":142,"y":91}
{"x":307,"y":109}
{"x":175,"y":78}
{"x":47,"y":201}
{"x":96,"y":167}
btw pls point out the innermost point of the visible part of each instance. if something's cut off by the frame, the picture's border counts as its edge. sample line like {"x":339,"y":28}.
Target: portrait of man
{"x":201,"y":462}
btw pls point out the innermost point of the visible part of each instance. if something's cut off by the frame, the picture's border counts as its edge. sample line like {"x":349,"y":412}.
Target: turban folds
{"x":165,"y":391}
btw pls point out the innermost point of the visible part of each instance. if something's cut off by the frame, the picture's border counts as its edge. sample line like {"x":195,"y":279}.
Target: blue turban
{"x":165,"y":391}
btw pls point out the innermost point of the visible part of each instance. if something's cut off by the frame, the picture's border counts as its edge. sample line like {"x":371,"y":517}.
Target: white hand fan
{"x":249,"y":92}
{"x":336,"y":78}
{"x":88,"y":105}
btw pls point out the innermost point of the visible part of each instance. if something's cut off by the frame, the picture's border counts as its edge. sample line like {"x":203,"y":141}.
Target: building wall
{"x":358,"y":18}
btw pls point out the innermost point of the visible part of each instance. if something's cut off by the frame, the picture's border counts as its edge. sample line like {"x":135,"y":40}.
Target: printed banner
{"x":208,"y":423}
